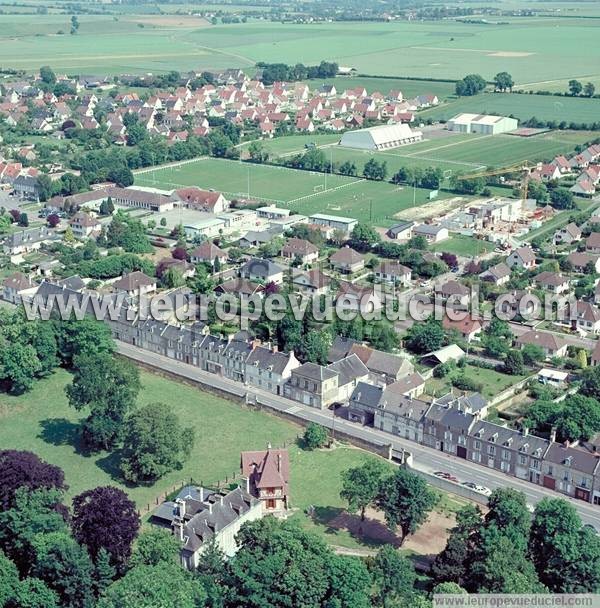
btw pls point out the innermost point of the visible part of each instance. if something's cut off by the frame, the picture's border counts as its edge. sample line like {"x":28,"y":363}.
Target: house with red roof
{"x":268,"y":472}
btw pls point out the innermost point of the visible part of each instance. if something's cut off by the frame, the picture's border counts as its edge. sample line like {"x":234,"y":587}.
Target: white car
{"x":477,"y":488}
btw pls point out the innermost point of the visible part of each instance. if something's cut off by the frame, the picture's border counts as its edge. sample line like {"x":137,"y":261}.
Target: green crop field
{"x":522,"y":106}
{"x":302,"y":191}
{"x":528,"y":48}
{"x":410,"y":88}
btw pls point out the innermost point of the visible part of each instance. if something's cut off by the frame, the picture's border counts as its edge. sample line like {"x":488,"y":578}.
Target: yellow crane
{"x":525,"y":168}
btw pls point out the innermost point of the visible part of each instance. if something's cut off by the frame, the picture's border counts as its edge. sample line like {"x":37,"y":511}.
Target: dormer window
{"x":568,"y":460}
{"x":493,"y":438}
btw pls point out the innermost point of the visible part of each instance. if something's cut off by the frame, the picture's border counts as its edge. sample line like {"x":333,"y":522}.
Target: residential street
{"x":424,"y":458}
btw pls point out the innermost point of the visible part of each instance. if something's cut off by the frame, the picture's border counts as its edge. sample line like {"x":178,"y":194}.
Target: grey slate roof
{"x":349,"y":369}
{"x":315,"y":372}
{"x":340,"y":348}
{"x":366,"y":396}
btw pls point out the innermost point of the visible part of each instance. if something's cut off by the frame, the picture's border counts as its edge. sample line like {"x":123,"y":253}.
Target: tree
{"x":557,"y":549}
{"x":34,"y":513}
{"x":405,"y":499}
{"x":450,"y":588}
{"x":315,"y":346}
{"x":53,"y":220}
{"x":562,"y":198}
{"x":426,"y":337}
{"x":513,"y":364}
{"x":348,"y":168}
{"x":155,"y":443}
{"x":171,"y":278}
{"x":589,"y":89}
{"x":452,"y":563}
{"x":107,"y":207}
{"x":532,"y":354}
{"x":66,"y":568}
{"x":109,"y":389}
{"x":575,"y":87}
{"x":470,"y":85}
{"x":74,"y":25}
{"x":22,"y":469}
{"x":44,"y":186}
{"x":19,"y":366}
{"x":68,"y":236}
{"x":360,"y":485}
{"x":128,"y":233}
{"x":24,"y":220}
{"x":151,"y":586}
{"x":202,"y":282}
{"x":280,"y":564}
{"x":85,"y":337}
{"x":153,"y":547}
{"x":9,"y":580}
{"x":315,"y":436}
{"x":590,"y":383}
{"x":375,"y":170}
{"x":104,"y":572}
{"x":363,"y":237}
{"x":503,"y":81}
{"x":105,"y":518}
{"x":394,"y":577}
{"x":34,"y":593}
{"x":257,"y":152}
{"x":47,"y":75}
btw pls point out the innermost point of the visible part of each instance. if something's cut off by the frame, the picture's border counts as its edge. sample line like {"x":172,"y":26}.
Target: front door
{"x":461,"y":451}
{"x":549,"y":482}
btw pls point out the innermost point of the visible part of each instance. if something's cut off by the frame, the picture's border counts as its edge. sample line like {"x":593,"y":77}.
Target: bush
{"x":315,"y":436}
{"x":463,"y":383}
{"x":443,"y":369}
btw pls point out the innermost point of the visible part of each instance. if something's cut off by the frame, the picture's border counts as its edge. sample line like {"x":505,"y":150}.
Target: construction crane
{"x":525,"y":168}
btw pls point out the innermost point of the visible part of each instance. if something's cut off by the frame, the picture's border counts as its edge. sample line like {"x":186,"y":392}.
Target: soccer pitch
{"x":303,"y":192}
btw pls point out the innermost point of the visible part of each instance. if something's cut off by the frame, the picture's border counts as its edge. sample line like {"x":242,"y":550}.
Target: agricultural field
{"x":410,"y":88}
{"x":302,"y":191}
{"x":438,"y":49}
{"x":522,"y":106}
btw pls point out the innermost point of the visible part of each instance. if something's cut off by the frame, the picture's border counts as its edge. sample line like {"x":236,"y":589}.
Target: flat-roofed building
{"x":484,"y":124}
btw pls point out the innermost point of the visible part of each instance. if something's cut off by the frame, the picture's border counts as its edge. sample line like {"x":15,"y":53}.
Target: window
{"x":477,"y":445}
{"x":491,"y":450}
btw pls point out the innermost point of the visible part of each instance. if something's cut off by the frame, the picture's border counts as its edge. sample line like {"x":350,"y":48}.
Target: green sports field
{"x":451,"y":152}
{"x":302,"y":191}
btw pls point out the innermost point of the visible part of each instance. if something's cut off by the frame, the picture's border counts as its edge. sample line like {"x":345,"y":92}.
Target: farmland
{"x":528,"y":48}
{"x":522,"y":106}
{"x":302,"y":191}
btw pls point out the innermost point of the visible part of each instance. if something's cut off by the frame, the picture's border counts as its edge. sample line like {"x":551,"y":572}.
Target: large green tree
{"x":109,"y":388}
{"x":360,"y":485}
{"x":279,"y":564}
{"x":155,"y":443}
{"x":406,"y":500}
{"x":393,"y":577}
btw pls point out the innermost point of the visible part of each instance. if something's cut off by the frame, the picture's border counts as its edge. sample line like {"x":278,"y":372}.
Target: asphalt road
{"x":424,"y":458}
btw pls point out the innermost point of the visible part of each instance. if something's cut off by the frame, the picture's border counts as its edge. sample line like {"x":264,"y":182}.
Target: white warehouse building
{"x":381,"y":138}
{"x":483,"y":124}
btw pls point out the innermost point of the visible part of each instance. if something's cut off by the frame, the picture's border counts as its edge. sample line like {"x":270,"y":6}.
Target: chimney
{"x":201,"y":494}
{"x":525,"y":431}
{"x":210,"y":504}
{"x":269,"y":446}
{"x":275,"y":348}
{"x":553,"y":434}
{"x":279,"y":462}
{"x":179,"y":529}
{"x":246,"y":482}
{"x":255,"y":343}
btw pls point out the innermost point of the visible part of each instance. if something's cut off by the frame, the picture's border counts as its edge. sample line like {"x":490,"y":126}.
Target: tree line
{"x":282,"y":72}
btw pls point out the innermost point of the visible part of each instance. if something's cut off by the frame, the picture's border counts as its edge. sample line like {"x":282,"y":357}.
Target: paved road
{"x":424,"y":458}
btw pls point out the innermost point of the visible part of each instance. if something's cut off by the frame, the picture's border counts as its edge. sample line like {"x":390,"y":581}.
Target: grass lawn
{"x":493,"y":382}
{"x":42,"y":421}
{"x":465,"y":246}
